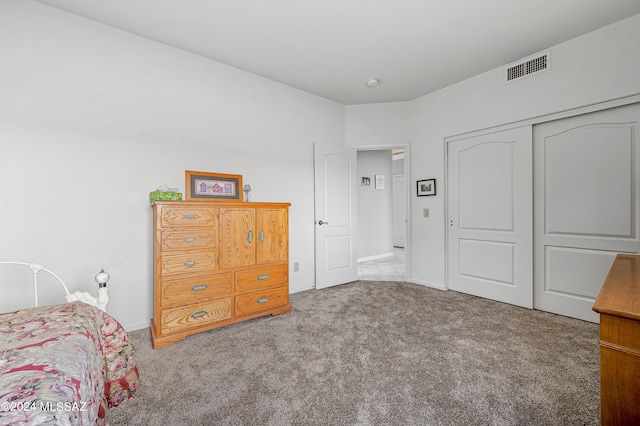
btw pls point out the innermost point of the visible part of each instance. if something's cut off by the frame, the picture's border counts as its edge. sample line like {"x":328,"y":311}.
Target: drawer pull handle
{"x":189,"y":263}
{"x":262,"y":300}
{"x":189,"y":239}
{"x":199,"y":314}
{"x":263,"y":277}
{"x":189,"y":216}
{"x":199,"y":287}
{"x":249,"y":236}
{"x":262,"y":236}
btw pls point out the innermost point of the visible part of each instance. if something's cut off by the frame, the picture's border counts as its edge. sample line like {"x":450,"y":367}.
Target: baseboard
{"x":136,"y":326}
{"x":428,"y":284}
{"x":376,"y":257}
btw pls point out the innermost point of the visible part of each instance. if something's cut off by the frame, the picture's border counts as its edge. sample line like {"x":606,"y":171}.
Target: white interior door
{"x":335,"y":214}
{"x":489,"y":205}
{"x":587,"y":205}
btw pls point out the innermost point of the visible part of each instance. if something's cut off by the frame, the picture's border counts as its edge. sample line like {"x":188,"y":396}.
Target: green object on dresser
{"x":165,"y":196}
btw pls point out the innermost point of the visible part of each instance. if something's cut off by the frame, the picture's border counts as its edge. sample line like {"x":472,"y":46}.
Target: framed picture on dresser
{"x":212,"y":186}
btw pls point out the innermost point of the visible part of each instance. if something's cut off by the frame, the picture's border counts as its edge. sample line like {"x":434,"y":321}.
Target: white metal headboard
{"x":36,"y":268}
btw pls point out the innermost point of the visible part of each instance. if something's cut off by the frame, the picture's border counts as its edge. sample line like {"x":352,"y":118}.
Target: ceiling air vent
{"x":527,"y":66}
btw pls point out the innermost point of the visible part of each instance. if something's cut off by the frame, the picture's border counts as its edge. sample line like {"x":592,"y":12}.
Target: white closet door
{"x":489,"y":196}
{"x":586,"y":205}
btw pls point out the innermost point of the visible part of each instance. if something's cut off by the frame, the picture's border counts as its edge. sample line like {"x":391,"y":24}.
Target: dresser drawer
{"x":261,"y":300}
{"x":261,"y":278}
{"x":187,"y":216}
{"x":197,"y":289}
{"x":185,"y":239}
{"x":623,"y":332}
{"x":176,"y":319}
{"x":188,"y":263}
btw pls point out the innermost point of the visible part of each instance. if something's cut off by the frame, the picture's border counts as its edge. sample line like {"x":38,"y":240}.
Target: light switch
{"x":425,"y":212}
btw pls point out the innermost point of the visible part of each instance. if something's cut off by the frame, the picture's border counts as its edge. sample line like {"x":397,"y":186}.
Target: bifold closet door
{"x":489,"y":207}
{"x":586,"y":201}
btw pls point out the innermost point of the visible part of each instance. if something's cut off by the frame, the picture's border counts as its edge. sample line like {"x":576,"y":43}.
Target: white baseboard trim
{"x":136,"y":326}
{"x":428,"y":284}
{"x":376,"y":257}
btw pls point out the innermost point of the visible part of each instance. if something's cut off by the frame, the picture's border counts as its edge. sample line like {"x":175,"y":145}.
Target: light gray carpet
{"x":375,"y":353}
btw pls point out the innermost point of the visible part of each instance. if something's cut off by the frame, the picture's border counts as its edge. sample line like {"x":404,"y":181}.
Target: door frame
{"x":613,"y":103}
{"x":407,"y":172}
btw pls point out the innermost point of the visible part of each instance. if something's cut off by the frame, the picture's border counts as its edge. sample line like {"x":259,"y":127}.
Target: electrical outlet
{"x":425,"y":212}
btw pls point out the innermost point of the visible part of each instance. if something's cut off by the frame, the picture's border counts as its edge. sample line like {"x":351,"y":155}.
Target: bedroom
{"x":91,"y":124}
{"x":106,"y":118}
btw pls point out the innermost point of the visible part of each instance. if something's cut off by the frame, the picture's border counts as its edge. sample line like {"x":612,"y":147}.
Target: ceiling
{"x":332,"y":47}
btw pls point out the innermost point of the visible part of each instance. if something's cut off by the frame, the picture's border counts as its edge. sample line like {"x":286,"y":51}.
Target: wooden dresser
{"x":217,"y":263}
{"x":619,"y":307}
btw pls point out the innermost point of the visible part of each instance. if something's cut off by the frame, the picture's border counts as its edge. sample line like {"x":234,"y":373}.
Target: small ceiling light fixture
{"x":373,"y":82}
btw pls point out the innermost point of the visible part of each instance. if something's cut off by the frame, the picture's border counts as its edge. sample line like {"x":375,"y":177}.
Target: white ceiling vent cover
{"x":528,"y":66}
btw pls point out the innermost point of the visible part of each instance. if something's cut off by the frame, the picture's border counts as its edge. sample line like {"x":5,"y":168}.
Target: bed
{"x":63,"y":364}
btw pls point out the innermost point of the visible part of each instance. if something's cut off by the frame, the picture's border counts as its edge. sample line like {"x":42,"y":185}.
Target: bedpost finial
{"x":102,"y":277}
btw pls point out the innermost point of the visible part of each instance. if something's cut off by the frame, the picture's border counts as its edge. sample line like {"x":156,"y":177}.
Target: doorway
{"x":382,"y":214}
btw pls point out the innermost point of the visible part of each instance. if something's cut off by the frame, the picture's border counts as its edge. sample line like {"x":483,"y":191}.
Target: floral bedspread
{"x":63,"y":365}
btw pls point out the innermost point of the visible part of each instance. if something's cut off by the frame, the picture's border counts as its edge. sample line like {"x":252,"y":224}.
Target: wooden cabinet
{"x":217,"y":263}
{"x":252,"y":236}
{"x":618,"y":304}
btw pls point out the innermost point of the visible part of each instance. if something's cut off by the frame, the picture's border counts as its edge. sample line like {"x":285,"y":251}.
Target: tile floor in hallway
{"x":386,"y":269}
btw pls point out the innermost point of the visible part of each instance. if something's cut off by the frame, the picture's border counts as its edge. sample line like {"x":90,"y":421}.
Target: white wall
{"x":596,"y":67}
{"x":379,"y":124}
{"x":375,"y":206}
{"x":92,"y":119}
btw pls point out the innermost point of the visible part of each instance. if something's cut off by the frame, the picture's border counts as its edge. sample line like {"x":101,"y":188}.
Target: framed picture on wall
{"x":426,"y":187}
{"x":212,"y":186}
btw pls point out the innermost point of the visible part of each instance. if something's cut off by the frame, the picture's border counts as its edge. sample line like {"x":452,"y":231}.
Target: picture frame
{"x":366,"y":181}
{"x":212,"y":186}
{"x":426,"y":187}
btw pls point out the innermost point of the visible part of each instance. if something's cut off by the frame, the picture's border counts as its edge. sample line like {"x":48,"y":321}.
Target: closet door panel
{"x":489,"y":196}
{"x":586,"y":177}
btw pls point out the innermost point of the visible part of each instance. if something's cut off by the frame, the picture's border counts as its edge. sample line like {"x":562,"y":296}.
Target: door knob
{"x":321,"y":222}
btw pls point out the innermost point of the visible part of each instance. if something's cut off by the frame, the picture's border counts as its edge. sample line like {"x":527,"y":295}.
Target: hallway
{"x":386,"y":269}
